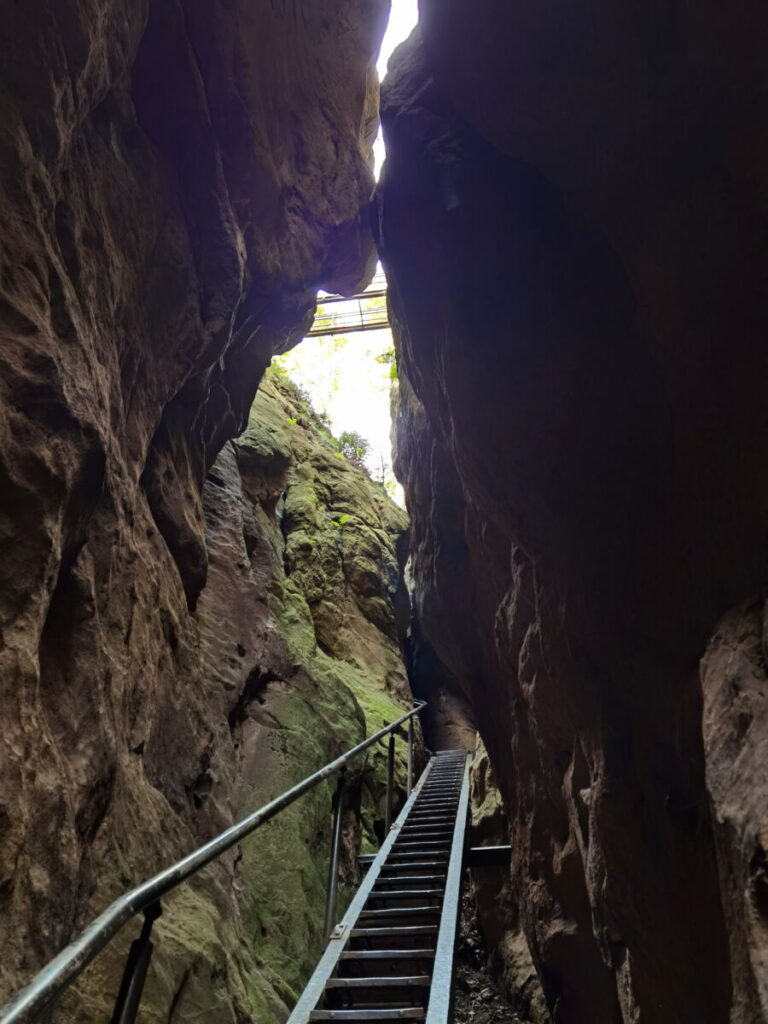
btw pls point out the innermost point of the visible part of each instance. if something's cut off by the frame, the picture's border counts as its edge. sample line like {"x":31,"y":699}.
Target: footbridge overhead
{"x":339,"y":314}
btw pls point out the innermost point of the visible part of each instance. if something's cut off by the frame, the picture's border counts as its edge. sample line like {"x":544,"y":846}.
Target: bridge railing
{"x":146,"y":898}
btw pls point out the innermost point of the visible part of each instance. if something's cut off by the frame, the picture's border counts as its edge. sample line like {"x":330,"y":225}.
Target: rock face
{"x":735,"y":684}
{"x":574,"y":229}
{"x":300,"y":627}
{"x":176,"y":180}
{"x":494,"y":899}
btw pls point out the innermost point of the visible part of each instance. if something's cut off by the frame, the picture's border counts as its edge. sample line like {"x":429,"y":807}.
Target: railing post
{"x":390,"y":783}
{"x":135,"y":973}
{"x":409,"y":785}
{"x":333,"y":867}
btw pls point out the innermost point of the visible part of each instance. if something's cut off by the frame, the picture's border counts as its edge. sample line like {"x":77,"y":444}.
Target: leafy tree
{"x":354,"y":447}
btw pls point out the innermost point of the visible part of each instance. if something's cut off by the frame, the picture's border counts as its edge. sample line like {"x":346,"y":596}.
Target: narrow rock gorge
{"x":202,"y":601}
{"x":573,"y":219}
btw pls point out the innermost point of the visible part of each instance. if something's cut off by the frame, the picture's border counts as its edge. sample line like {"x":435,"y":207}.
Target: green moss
{"x":330,"y":610}
{"x":268,"y":431}
{"x":301,"y":502}
{"x":285,"y":863}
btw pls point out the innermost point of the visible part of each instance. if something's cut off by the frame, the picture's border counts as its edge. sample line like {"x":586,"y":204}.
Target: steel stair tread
{"x":414,"y":834}
{"x":389,"y":866}
{"x":387,"y":954}
{"x":387,"y":981}
{"x":403,"y":930}
{"x":409,"y":878}
{"x":414,"y":855}
{"x":394,"y":894}
{"x":399,"y":912}
{"x":402,"y":1014}
{"x":432,"y":847}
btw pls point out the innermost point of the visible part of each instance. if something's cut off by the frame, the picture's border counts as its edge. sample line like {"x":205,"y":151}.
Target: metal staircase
{"x":57,"y":976}
{"x":391,"y":957}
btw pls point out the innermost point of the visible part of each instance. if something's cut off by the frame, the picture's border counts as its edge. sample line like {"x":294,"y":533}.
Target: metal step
{"x":387,"y":912}
{"x":409,"y":857}
{"x":428,"y":832}
{"x":415,"y":843}
{"x":404,"y":1014}
{"x":392,"y":866}
{"x":405,"y":894}
{"x":409,"y":981}
{"x":426,"y":835}
{"x":430,"y":818}
{"x":431,"y":847}
{"x":417,"y":818}
{"x":402,"y":931}
{"x":416,"y":879}
{"x":353,"y":955}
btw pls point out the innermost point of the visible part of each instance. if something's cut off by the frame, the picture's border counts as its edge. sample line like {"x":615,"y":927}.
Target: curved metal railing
{"x":145,"y":899}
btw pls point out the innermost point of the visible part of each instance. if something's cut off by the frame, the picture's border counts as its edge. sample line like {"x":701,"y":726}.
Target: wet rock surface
{"x":575,"y":242}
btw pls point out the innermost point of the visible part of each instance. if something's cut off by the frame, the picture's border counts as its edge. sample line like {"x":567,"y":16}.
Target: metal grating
{"x":337,"y":314}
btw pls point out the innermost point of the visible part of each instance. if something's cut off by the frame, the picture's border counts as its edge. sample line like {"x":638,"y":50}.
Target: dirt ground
{"x":477,"y":1000}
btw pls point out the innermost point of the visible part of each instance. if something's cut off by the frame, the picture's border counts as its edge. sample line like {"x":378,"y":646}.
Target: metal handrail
{"x":59,"y":974}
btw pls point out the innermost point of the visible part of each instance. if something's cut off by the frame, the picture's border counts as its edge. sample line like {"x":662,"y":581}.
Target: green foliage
{"x":354,"y":447}
{"x":302,"y":399}
{"x":388,"y":359}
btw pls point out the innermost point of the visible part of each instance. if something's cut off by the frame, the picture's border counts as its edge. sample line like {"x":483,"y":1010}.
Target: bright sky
{"x":342,"y":375}
{"x":402,"y":20}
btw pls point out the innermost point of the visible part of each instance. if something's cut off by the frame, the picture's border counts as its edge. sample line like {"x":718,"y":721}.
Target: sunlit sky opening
{"x":402,"y":20}
{"x":348,"y":377}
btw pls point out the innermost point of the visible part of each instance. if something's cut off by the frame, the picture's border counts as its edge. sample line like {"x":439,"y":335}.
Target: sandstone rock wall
{"x":176,"y":181}
{"x":494,"y":900}
{"x":574,"y":231}
{"x":299,"y":656}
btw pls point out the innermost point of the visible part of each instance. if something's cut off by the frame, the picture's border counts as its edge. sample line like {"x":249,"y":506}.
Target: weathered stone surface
{"x":176,"y":180}
{"x":735,"y":685}
{"x":495,"y":903}
{"x":267,"y":701}
{"x":574,"y":231}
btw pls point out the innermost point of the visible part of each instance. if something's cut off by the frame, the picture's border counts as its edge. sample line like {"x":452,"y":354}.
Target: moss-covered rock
{"x":305,"y":547}
{"x":301,"y":659}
